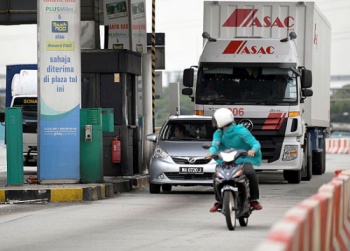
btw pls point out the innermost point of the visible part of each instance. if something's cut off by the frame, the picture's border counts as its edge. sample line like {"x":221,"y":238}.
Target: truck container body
{"x":259,"y":60}
{"x":21,"y":91}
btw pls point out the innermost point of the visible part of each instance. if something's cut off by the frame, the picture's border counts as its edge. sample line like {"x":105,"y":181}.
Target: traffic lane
{"x":179,"y":220}
{"x":132,"y":221}
{"x":274,"y":188}
{"x":333,"y":163}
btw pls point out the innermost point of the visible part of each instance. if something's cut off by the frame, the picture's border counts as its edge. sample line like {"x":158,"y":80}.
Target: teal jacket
{"x":237,"y":137}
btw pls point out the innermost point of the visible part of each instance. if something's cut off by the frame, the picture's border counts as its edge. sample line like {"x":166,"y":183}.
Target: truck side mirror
{"x":188,"y":77}
{"x":2,"y":117}
{"x":307,"y":92}
{"x":306,"y":78}
{"x":187,"y":91}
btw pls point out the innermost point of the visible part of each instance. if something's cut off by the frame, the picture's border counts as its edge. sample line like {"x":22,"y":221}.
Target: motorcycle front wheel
{"x":230,"y":213}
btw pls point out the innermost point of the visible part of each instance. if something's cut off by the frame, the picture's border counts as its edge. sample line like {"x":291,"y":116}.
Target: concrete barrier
{"x":318,"y":223}
{"x":341,"y":146}
{"x":342,"y":181}
{"x":325,"y":200}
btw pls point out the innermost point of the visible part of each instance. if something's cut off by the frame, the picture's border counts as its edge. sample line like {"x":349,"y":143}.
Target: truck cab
{"x":260,"y":60}
{"x":21,"y":91}
{"x":29,"y":108}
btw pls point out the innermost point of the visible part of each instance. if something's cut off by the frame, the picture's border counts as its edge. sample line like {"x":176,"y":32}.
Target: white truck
{"x":21,"y":91}
{"x":269,"y":62}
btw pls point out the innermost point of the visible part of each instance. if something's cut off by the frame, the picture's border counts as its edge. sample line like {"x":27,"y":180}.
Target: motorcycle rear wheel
{"x":243,"y":221}
{"x":230,"y":212}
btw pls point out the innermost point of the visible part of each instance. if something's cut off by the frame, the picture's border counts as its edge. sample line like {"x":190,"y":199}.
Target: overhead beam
{"x":14,"y":12}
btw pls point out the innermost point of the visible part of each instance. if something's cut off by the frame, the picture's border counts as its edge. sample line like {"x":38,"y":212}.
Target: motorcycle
{"x":232,"y":187}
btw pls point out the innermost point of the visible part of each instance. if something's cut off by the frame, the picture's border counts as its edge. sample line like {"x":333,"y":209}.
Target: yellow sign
{"x":60,"y":45}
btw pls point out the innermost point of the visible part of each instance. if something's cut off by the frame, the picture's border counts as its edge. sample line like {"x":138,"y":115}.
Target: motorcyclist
{"x":230,"y":135}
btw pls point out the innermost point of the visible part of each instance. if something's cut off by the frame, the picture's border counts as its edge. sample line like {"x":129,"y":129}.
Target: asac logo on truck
{"x":247,"y":18}
{"x":240,"y":47}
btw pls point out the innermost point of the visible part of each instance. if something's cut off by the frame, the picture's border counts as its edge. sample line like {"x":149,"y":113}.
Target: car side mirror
{"x":151,"y":137}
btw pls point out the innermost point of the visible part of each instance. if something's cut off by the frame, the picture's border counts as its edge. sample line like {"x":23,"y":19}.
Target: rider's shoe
{"x":255,"y":204}
{"x":216,"y":207}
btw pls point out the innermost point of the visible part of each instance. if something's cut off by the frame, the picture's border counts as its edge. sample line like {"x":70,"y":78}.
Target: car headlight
{"x":290,"y":152}
{"x":160,"y":153}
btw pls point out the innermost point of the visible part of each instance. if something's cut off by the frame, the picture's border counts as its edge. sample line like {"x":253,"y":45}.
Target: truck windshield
{"x":29,"y":106}
{"x":246,"y":85}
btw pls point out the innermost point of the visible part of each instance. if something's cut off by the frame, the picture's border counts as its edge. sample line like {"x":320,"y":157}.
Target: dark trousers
{"x":250,"y":173}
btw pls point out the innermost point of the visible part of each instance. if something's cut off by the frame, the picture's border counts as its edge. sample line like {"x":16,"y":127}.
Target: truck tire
{"x":292,"y":176}
{"x":318,"y":163}
{"x":307,"y":161}
{"x":324,"y":156}
{"x":319,"y":160}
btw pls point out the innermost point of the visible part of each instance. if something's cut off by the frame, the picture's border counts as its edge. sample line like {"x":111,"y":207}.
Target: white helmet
{"x":222,"y":117}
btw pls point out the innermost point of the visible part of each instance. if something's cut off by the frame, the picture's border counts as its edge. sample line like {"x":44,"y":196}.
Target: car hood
{"x":184,"y":148}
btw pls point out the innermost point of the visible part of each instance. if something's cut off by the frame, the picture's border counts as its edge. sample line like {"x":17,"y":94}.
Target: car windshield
{"x":194,"y":130}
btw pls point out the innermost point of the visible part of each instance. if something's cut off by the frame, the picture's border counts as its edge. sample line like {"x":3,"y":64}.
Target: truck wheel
{"x":318,"y":165}
{"x":324,"y":156}
{"x":319,"y":160}
{"x":292,"y":176}
{"x":307,"y":161}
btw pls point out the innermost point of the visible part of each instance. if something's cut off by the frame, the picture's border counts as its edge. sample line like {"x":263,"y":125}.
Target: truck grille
{"x":271,"y":147}
{"x":270,"y":133}
{"x":30,"y":127}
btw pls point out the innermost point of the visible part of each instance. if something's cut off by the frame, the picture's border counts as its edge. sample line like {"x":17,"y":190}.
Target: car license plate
{"x":188,"y":170}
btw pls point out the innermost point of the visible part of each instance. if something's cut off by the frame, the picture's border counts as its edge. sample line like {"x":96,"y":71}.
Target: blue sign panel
{"x":59,"y":91}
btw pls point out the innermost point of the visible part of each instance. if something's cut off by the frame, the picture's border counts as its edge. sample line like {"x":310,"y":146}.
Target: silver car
{"x":179,"y":159}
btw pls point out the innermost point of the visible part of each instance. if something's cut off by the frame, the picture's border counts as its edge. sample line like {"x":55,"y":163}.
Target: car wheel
{"x":166,"y":188}
{"x":154,"y":188}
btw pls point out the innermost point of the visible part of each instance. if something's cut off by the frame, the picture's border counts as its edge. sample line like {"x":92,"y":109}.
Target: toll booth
{"x":109,"y":81}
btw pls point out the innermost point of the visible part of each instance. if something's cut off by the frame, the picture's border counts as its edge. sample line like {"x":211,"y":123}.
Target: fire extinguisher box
{"x":107,"y":119}
{"x":91,"y":154}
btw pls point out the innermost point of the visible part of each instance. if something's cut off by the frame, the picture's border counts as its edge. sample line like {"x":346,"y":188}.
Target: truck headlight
{"x":290,"y":152}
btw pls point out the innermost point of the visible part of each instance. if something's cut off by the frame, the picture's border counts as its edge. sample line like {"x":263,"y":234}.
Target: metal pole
{"x":153,"y":60}
{"x":174,"y":98}
{"x":147,"y":108}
